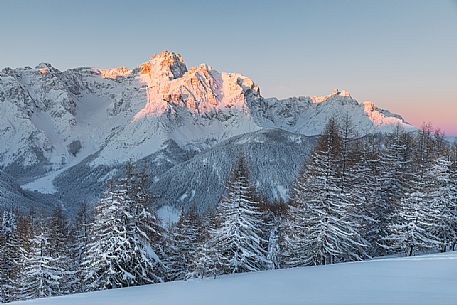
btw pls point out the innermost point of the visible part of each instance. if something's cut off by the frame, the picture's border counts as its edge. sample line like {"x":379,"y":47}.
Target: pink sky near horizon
{"x":419,"y":110}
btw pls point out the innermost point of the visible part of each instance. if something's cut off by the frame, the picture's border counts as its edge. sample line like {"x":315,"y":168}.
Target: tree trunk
{"x":443,"y":248}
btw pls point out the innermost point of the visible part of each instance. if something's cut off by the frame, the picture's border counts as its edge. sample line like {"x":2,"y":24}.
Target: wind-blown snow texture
{"x":53,"y":121}
{"x":429,"y":279}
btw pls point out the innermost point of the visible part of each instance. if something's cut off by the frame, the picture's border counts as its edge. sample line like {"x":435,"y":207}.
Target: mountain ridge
{"x":53,"y":120}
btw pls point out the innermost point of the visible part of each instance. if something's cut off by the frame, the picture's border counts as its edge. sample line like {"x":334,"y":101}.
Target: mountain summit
{"x":165,"y":64}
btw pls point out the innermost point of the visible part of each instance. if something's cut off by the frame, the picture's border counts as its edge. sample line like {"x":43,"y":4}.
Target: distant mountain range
{"x":64,"y":133}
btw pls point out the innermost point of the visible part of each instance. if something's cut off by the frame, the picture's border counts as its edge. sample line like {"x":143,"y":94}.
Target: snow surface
{"x":43,"y":184}
{"x":430,"y":279}
{"x":168,"y":215}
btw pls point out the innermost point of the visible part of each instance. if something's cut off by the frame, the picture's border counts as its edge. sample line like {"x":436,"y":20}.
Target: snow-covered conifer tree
{"x":426,"y":219}
{"x":19,"y":247}
{"x":105,"y":258}
{"x":323,"y":228}
{"x":41,"y":273}
{"x":237,"y":238}
{"x":441,"y":199}
{"x":80,"y":243}
{"x":144,"y":231}
{"x":60,"y":249}
{"x":394,"y":175}
{"x":368,"y":209}
{"x":292,"y":237}
{"x":274,"y":249}
{"x":124,"y":238}
{"x":208,"y":260}
{"x":185,"y":237}
{"x":453,"y":189}
{"x":414,"y":226}
{"x":9,"y":256}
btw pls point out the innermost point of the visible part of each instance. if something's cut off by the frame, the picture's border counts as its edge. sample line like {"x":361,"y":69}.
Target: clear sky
{"x":400,"y":54}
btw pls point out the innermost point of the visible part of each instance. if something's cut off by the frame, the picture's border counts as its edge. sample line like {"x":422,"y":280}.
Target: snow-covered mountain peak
{"x":383,"y":118}
{"x":336,"y":93}
{"x":44,"y":67}
{"x":164,"y":65}
{"x":368,"y":106}
{"x":199,"y":89}
{"x":114,"y":72}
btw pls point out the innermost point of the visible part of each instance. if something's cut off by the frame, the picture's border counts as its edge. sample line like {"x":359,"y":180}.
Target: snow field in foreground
{"x":428,"y":280}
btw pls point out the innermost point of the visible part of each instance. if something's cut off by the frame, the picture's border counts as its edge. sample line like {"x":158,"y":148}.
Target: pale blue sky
{"x":400,"y":54}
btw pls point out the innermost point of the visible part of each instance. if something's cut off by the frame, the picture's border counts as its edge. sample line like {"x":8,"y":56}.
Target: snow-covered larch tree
{"x":441,"y":192}
{"x":395,"y":172}
{"x":414,"y":226}
{"x":324,"y":229}
{"x":9,"y":255}
{"x":453,"y":190}
{"x":185,"y":237}
{"x":41,"y":274}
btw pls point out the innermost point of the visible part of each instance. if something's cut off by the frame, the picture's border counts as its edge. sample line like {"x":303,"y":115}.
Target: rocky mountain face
{"x":77,"y":127}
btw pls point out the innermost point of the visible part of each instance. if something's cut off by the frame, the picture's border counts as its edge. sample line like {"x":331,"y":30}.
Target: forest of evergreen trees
{"x":355,"y":198}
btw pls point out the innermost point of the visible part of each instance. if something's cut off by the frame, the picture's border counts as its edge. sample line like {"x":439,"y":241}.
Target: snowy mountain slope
{"x":273,"y":157}
{"x":84,"y":182}
{"x":183,"y":177}
{"x":308,"y":115}
{"x":418,"y":280}
{"x":55,"y":118}
{"x":12,"y":196}
{"x":52,"y":117}
{"x":89,"y":121}
{"x":10,"y":192}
